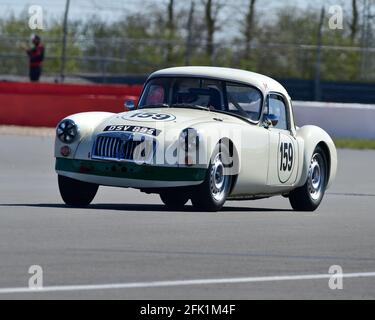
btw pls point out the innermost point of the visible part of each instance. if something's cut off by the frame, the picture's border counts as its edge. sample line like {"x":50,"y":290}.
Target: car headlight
{"x":189,"y":139}
{"x":67,"y":131}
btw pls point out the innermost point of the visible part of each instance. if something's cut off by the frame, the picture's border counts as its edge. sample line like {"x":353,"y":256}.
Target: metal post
{"x":317,"y":84}
{"x":366,"y":40}
{"x":63,"y":51}
{"x":189,"y":38}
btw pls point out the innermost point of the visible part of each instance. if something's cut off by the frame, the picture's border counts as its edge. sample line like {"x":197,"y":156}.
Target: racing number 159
{"x":153,"y":116}
{"x":286,"y":156}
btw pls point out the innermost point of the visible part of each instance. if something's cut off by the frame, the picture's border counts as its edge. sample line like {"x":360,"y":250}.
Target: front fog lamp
{"x":67,"y":131}
{"x":189,"y":139}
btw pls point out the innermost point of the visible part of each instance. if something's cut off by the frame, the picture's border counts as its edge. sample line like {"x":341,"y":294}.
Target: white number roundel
{"x":286,"y":158}
{"x":148,"y":116}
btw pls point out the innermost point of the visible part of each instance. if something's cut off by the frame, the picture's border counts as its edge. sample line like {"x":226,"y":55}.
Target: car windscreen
{"x":217,"y":95}
{"x":187,"y":91}
{"x":244,"y":100}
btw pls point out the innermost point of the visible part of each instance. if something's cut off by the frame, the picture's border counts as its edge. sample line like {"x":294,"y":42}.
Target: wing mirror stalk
{"x":129,"y":105}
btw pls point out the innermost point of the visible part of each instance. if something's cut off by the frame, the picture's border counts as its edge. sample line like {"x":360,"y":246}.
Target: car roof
{"x":262,"y":82}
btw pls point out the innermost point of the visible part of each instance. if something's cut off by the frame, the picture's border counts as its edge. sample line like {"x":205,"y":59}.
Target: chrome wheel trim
{"x":218,"y":180}
{"x":316,"y":177}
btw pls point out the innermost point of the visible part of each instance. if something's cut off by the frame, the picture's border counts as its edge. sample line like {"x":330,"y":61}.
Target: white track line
{"x":176,"y":283}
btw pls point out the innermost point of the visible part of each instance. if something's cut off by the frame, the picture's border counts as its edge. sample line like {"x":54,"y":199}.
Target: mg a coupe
{"x":203,"y":134}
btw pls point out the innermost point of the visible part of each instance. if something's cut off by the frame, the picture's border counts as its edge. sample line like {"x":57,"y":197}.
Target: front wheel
{"x":76,"y":193}
{"x":212,"y":193}
{"x":309,"y":196}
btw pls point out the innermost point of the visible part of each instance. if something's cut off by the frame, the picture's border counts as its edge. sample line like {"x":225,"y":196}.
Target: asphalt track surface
{"x":129,"y":243}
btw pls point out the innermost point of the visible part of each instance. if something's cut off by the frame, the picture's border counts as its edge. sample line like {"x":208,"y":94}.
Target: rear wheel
{"x":212,"y":193}
{"x":309,"y":196}
{"x":174,"y":199}
{"x":76,"y":193}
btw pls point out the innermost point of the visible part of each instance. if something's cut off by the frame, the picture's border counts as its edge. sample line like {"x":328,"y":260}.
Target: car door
{"x":252,"y":141}
{"x":283,"y":146}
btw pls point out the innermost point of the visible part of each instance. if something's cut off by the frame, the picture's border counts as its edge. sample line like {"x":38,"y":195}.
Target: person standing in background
{"x":36,"y":57}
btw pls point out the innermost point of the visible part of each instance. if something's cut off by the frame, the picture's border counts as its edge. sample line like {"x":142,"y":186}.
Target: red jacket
{"x":36,"y":56}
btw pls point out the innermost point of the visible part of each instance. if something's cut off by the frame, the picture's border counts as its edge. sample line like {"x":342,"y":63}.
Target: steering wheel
{"x":235,"y":103}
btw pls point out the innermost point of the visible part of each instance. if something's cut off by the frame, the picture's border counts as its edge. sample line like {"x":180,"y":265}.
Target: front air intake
{"x":108,"y":147}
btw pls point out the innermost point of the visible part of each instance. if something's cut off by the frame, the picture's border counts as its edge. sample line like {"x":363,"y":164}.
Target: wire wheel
{"x":316,"y":177}
{"x":219,"y":182}
{"x":212,"y":193}
{"x":309,"y":196}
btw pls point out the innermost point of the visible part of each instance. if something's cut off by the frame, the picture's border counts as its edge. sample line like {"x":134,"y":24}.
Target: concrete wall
{"x":340,"y":120}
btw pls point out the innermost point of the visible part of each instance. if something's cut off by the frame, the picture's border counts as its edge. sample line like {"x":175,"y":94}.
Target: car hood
{"x":161,"y":119}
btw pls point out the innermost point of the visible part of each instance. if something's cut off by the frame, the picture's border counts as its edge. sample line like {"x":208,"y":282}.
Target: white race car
{"x":201,"y":133}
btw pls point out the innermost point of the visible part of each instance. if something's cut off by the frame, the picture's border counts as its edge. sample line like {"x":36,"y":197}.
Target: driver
{"x":156,"y":95}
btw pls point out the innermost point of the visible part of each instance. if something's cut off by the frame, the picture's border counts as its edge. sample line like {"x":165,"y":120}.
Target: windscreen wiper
{"x":155,"y":105}
{"x":191,"y":106}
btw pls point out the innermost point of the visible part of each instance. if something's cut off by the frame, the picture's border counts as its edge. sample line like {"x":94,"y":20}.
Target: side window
{"x":276,"y":106}
{"x":244,"y":100}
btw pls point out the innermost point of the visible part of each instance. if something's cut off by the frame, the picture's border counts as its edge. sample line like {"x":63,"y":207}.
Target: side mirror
{"x":129,"y":105}
{"x":270,"y":120}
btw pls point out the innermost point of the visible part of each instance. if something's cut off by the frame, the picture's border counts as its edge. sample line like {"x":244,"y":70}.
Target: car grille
{"x":120,"y":148}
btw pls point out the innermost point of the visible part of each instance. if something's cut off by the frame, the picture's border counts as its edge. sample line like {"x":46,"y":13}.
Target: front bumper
{"x":129,"y":174}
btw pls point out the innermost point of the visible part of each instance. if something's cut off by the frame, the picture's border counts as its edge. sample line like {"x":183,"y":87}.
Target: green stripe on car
{"x":130,"y":170}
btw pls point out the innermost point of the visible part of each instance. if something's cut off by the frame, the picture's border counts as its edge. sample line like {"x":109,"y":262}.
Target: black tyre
{"x":212,"y":193}
{"x":175,"y":199}
{"x":309,"y":196}
{"x":76,"y":193}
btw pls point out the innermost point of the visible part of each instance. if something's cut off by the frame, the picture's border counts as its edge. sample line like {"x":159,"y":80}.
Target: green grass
{"x":360,"y":144}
